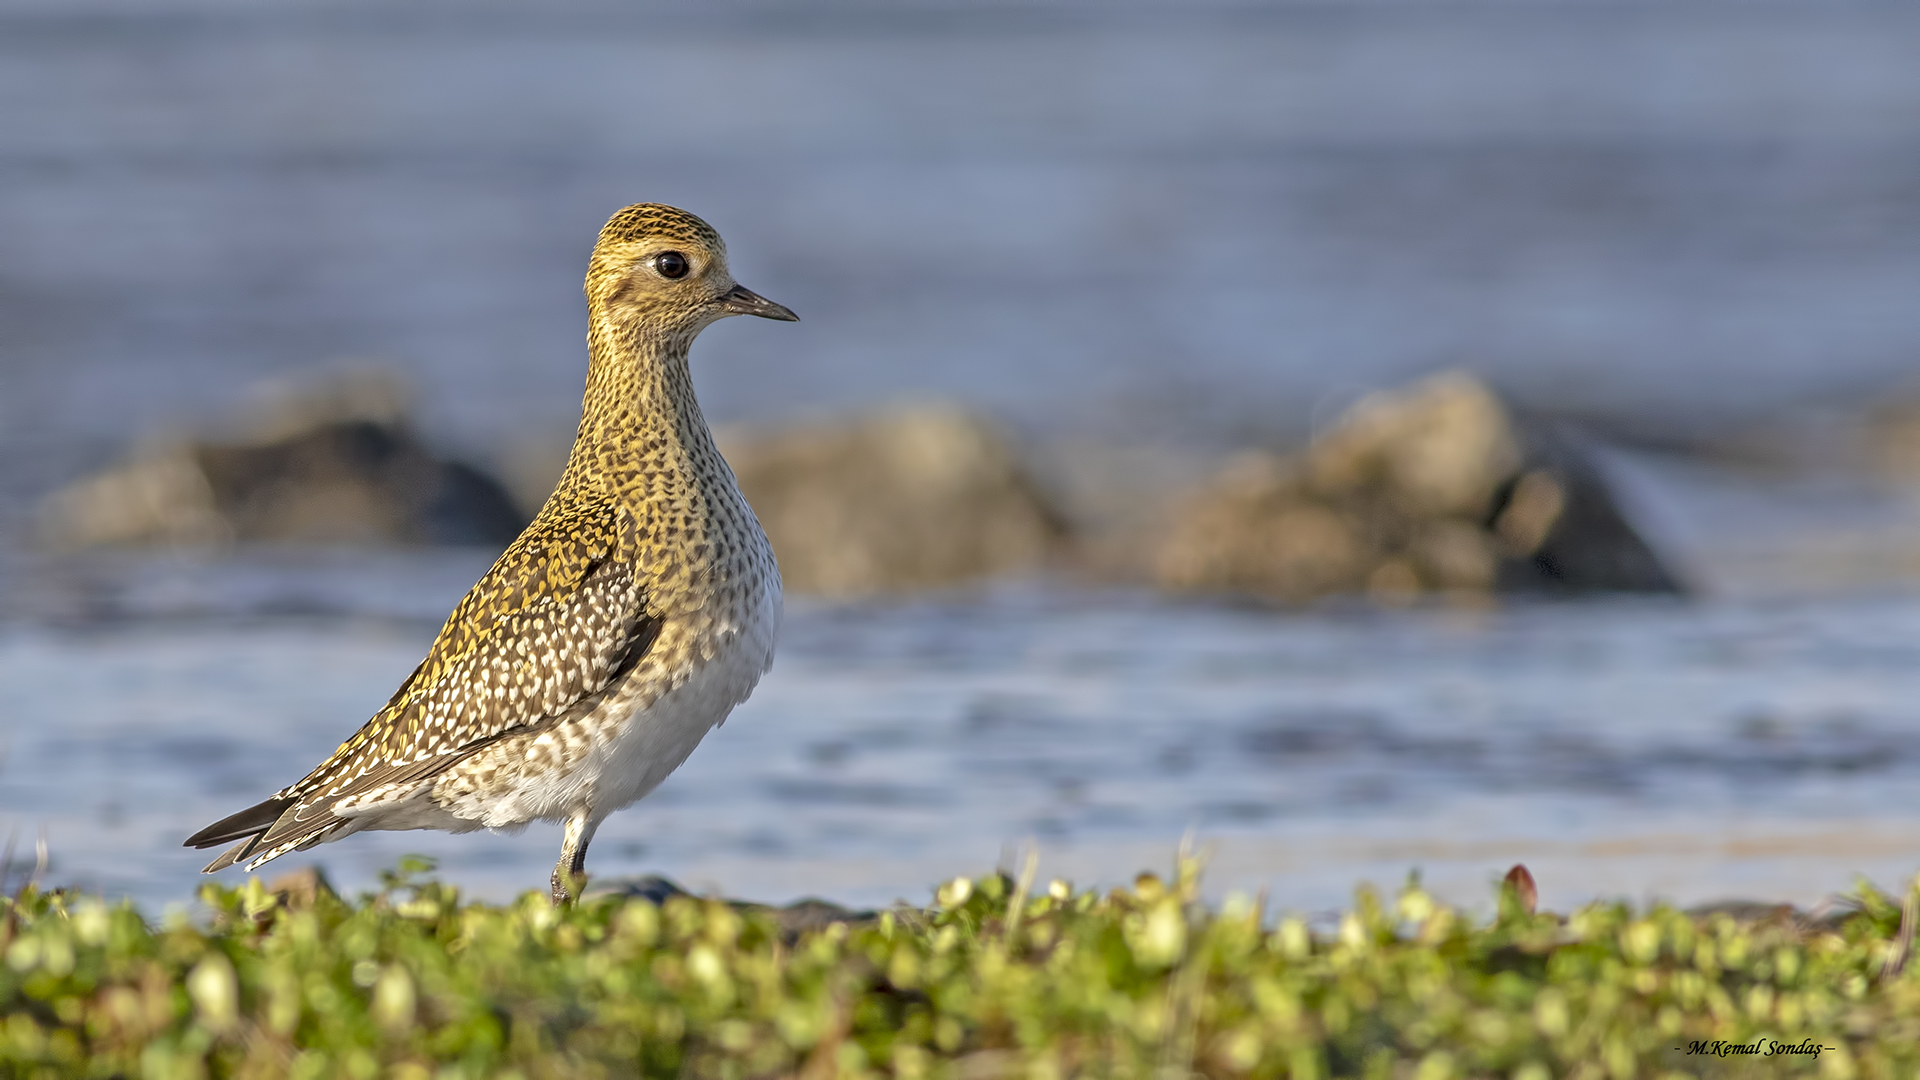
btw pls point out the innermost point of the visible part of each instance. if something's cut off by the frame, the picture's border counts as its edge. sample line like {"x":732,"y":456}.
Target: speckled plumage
{"x":635,"y":611}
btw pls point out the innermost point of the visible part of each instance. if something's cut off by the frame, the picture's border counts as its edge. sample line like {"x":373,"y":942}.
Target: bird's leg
{"x":570,"y":873}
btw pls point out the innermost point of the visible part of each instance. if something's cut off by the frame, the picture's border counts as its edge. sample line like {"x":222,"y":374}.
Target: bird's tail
{"x":251,"y":826}
{"x":230,"y":856}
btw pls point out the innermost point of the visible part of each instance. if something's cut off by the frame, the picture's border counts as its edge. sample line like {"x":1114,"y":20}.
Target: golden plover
{"x":634,"y":613}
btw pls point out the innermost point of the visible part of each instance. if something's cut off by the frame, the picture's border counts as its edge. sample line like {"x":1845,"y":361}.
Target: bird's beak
{"x":741,"y":300}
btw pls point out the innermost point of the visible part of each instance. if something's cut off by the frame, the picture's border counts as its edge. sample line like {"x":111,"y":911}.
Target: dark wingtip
{"x":249,"y":822}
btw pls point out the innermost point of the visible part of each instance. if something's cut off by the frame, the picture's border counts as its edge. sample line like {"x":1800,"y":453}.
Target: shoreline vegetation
{"x":998,"y":977}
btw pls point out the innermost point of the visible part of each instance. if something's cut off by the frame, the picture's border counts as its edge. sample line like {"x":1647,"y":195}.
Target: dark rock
{"x":1565,"y":532}
{"x":801,"y":917}
{"x":652,"y":888}
{"x":354,"y":481}
{"x":304,"y":477}
{"x":812,"y":914}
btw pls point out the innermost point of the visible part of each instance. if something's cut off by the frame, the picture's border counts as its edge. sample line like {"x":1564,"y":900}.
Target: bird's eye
{"x":671,"y":264}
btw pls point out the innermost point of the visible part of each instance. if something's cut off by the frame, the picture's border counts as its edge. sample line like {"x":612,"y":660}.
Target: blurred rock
{"x":1892,"y":438}
{"x":911,"y":499}
{"x":1433,"y":488}
{"x":531,"y":465}
{"x":340,"y":464}
{"x":1562,"y":530}
{"x":1117,"y":499}
{"x":1836,"y":439}
{"x":1440,"y":448}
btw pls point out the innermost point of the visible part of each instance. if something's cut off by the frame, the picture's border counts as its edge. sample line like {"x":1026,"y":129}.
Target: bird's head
{"x":662,"y":268}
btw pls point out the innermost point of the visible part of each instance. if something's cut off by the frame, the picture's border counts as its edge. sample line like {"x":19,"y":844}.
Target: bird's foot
{"x":566,"y":888}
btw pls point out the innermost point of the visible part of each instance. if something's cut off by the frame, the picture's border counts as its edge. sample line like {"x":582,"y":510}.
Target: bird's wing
{"x":553,"y":625}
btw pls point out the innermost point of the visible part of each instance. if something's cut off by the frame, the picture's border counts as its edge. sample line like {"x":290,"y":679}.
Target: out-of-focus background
{"x":1367,"y":436}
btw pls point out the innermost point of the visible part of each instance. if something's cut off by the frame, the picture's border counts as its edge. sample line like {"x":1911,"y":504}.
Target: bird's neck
{"x":639,"y":416}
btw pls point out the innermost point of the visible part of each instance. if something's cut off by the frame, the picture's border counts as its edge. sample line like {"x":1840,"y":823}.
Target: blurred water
{"x":1196,"y":220}
{"x":1203,"y":221}
{"x":1645,"y":748}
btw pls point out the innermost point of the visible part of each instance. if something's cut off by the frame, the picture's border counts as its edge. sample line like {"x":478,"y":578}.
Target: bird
{"x":640,"y":606}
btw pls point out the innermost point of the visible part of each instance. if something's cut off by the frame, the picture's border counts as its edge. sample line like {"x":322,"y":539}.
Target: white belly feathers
{"x":657,"y":739}
{"x":638,"y":738}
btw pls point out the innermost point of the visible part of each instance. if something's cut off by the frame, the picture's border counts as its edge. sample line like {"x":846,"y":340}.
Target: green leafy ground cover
{"x":991,"y":980}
